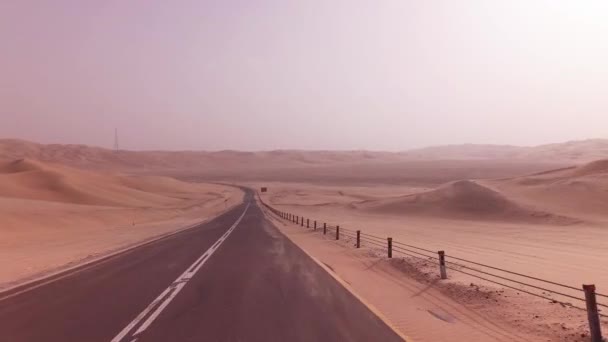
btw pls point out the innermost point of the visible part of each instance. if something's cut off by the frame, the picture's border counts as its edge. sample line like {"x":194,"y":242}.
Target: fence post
{"x":592,"y":314}
{"x":337,"y":232}
{"x":358,"y":239}
{"x":442,"y":271}
{"x":315,"y":225}
{"x":307,"y":223}
{"x":390,"y":247}
{"x":302,"y":222}
{"x":324,"y":228}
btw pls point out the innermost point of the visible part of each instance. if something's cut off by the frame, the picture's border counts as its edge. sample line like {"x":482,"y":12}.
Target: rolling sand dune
{"x":522,"y":223}
{"x":53,"y":215}
{"x":573,"y":151}
{"x":464,"y":200}
{"x":580,"y":192}
{"x":598,"y":166}
{"x":28,"y":179}
{"x":94,"y":157}
{"x":238,"y":163}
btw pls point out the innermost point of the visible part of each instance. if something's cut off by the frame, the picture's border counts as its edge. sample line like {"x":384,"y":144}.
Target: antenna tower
{"x":116,"y":147}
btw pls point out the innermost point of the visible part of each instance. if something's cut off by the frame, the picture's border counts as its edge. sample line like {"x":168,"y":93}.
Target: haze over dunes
{"x":88,"y":156}
{"x":419,"y":167}
{"x":82,"y":155}
{"x":573,"y":151}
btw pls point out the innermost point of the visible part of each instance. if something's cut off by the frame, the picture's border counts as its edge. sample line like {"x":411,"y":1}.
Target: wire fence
{"x":552,"y":291}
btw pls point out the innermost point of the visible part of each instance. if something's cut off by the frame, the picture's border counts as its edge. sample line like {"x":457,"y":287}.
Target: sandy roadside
{"x":563,"y":253}
{"x":79,"y":234}
{"x":425,"y":310}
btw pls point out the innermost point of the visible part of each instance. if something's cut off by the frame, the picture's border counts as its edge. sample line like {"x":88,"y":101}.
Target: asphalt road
{"x":235,"y":278}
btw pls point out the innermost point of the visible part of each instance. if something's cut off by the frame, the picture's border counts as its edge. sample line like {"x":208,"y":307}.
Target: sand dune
{"x":520,"y":223}
{"x":573,"y":151}
{"x":99,"y":158}
{"x":561,"y":196}
{"x":595,"y":167}
{"x":463,"y":200}
{"x":53,"y":215}
{"x":580,"y":192}
{"x":29,"y":179}
{"x":88,"y":156}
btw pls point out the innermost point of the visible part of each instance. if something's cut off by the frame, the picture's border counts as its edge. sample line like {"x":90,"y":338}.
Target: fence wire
{"x":516,"y":273}
{"x":410,"y":251}
{"x":373,"y":237}
{"x":419,"y":248}
{"x":515,"y":281}
{"x":427,"y":259}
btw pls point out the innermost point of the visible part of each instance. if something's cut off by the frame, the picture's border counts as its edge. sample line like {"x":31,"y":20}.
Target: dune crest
{"x":463,"y":199}
{"x":21,"y":165}
{"x":54,"y":215}
{"x":595,"y":167}
{"x":35,"y":180}
{"x":578,"y":191}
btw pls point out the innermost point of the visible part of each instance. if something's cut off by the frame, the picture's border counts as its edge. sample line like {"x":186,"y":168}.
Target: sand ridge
{"x":580,"y":192}
{"x":464,"y":199}
{"x":54,"y":215}
{"x":547,"y":224}
{"x":83,"y":156}
{"x":29,"y":179}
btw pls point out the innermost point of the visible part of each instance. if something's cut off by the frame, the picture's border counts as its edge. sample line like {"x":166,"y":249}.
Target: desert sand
{"x":549,"y":225}
{"x":55,"y":216}
{"x":536,"y":210}
{"x":309,"y":165}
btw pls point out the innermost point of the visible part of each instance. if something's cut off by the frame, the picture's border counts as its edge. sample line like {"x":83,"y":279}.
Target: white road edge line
{"x":96,"y":261}
{"x":176,"y":286}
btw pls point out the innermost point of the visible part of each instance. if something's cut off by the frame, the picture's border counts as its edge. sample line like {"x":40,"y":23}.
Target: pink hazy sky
{"x":270,"y":74}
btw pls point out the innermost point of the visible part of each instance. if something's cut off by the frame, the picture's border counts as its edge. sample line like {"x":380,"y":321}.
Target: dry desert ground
{"x":540,"y":211}
{"x":550,"y":225}
{"x":55,"y":216}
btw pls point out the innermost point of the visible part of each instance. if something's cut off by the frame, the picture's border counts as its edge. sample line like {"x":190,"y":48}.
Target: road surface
{"x":235,"y":278}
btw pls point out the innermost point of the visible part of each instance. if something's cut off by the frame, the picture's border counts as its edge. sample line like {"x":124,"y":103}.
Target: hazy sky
{"x":352,"y":74}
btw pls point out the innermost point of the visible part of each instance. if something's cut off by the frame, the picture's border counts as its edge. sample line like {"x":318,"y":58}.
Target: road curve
{"x":235,"y":278}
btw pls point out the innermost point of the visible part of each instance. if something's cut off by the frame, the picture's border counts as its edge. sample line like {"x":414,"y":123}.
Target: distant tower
{"x":116,"y":139}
